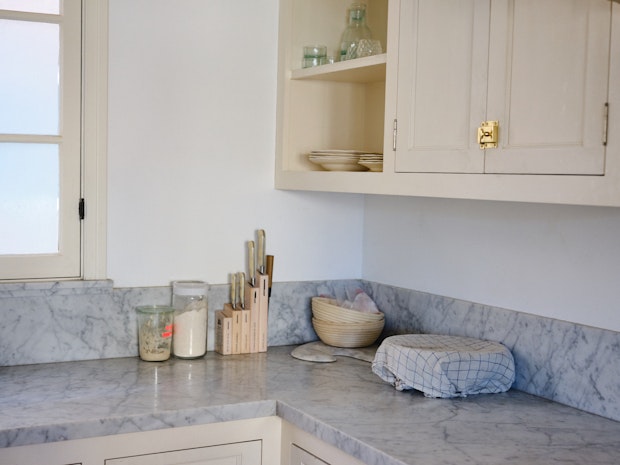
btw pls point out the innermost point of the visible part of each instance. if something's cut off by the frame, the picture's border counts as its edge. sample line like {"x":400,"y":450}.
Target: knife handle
{"x":241,"y":288}
{"x":251,"y":267}
{"x":261,"y":251}
{"x":233,"y":290}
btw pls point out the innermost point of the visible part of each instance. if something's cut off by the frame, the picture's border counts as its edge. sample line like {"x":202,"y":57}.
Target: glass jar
{"x":355,"y":31}
{"x":155,"y":326}
{"x":189,"y":299}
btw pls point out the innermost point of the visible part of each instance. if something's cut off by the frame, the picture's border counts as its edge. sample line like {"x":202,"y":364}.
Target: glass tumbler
{"x":314,"y":55}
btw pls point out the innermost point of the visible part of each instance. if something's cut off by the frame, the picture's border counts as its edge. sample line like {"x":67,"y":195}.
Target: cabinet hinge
{"x":81,"y":208}
{"x":394,"y":134}
{"x":605,"y":121}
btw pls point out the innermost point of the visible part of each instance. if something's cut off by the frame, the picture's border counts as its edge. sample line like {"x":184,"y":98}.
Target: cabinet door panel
{"x":441,"y":84}
{"x":548,"y":73}
{"x":301,"y":457}
{"x":244,"y":453}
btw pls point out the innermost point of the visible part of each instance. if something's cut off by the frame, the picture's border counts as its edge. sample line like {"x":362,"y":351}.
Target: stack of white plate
{"x":338,"y":160}
{"x":343,"y":327}
{"x":372,"y":161}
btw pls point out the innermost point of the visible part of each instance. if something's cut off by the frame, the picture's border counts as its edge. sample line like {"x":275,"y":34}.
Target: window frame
{"x":90,"y":234}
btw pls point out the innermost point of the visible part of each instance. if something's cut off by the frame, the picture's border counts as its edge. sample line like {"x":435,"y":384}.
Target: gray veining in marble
{"x":569,"y":363}
{"x":85,"y":320}
{"x":573,"y":364}
{"x":342,"y":403}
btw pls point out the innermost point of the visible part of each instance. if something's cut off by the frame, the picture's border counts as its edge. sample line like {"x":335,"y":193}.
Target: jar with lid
{"x":189,"y":300}
{"x":355,"y":31}
{"x":155,"y":328}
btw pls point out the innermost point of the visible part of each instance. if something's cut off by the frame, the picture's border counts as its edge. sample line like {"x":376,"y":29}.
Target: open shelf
{"x":366,"y":69}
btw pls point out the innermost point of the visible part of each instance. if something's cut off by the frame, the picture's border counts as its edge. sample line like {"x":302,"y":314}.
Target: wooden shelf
{"x":367,"y":69}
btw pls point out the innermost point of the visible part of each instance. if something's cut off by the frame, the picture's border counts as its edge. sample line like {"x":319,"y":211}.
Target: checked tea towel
{"x":444,"y":366}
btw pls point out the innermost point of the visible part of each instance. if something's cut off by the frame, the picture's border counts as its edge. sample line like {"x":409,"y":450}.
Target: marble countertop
{"x":342,"y":403}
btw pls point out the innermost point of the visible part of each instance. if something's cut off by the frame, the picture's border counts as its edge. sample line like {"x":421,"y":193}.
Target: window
{"x":52,"y":153}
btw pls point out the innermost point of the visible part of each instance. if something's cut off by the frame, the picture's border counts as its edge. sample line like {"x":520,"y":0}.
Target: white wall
{"x":191,"y":151}
{"x":557,"y":261}
{"x":191,"y":155}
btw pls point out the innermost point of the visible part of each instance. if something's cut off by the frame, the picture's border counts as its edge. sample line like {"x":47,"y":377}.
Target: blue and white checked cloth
{"x":444,"y":366}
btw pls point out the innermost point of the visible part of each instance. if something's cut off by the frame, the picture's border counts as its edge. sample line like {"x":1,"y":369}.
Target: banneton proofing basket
{"x":348,"y":335}
{"x":328,"y":310}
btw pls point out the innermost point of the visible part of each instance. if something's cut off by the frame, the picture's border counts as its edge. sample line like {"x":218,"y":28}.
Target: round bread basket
{"x":342,"y":327}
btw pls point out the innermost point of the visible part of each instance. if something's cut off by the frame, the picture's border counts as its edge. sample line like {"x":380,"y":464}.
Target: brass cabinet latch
{"x":488,"y":134}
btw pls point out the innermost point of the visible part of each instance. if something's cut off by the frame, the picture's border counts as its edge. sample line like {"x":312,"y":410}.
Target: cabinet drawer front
{"x":243,"y":453}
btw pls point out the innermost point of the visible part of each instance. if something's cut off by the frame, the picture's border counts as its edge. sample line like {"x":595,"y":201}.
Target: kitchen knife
{"x":260,"y":256}
{"x":270,"y":271}
{"x":251,"y":268}
{"x":233,"y":290}
{"x":241,"y":288}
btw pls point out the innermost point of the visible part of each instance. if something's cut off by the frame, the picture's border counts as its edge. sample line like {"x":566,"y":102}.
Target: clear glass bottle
{"x":355,"y":31}
{"x":189,"y":299}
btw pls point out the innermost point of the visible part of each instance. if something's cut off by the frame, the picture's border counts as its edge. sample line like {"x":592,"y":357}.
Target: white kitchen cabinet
{"x":243,"y":442}
{"x":243,"y":453}
{"x":333,"y":106}
{"x":539,"y":68}
{"x":545,"y":76}
{"x":302,"y":457}
{"x":302,"y":448}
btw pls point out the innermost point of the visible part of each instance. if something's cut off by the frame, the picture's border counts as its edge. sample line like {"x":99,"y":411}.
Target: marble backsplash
{"x":65,"y":321}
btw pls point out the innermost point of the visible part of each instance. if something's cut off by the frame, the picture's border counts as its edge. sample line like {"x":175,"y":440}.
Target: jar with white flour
{"x":189,"y":299}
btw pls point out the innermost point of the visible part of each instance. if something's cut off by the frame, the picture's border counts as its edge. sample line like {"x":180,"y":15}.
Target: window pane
{"x":29,"y":190}
{"x":32,"y":6}
{"x":29,"y":81}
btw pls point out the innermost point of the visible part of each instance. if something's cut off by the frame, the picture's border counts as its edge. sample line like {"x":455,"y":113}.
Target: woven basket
{"x":326,"y":309}
{"x":348,"y":335}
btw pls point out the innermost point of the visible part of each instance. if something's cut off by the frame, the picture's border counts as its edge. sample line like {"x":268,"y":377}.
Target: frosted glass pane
{"x":32,"y":6}
{"x":29,"y":198}
{"x":29,"y":81}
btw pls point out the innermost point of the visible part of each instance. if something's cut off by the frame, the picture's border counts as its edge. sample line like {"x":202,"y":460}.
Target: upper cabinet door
{"x":538,"y":67}
{"x":442,"y":85}
{"x":548,"y":85}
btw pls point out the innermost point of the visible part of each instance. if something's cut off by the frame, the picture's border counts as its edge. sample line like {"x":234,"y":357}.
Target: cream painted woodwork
{"x":301,"y":457}
{"x":333,"y":106}
{"x":311,"y":114}
{"x":302,"y":448}
{"x":442,"y":80}
{"x":243,"y":442}
{"x":540,"y":68}
{"x":241,"y":453}
{"x":267,"y":441}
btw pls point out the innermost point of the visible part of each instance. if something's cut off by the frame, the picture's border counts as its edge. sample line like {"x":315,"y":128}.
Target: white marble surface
{"x":569,"y":363}
{"x":48,"y":322}
{"x":342,"y":403}
{"x":572,"y":364}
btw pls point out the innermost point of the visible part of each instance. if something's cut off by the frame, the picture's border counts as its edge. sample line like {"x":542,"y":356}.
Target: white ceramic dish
{"x":372,"y":166}
{"x":339,"y":165}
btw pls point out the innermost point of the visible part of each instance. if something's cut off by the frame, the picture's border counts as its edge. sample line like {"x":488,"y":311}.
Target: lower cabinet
{"x":243,"y":453}
{"x":301,"y":448}
{"x":302,"y":457}
{"x":244,"y":442}
{"x":257,"y":441}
